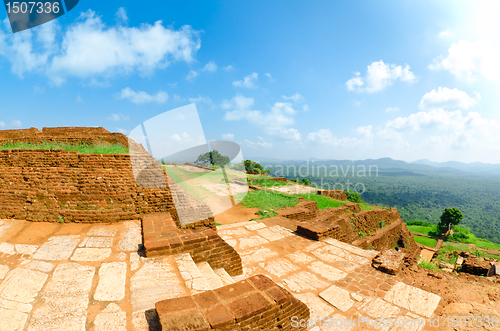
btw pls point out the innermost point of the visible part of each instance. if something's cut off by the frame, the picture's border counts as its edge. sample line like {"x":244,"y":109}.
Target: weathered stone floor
{"x":91,"y":277}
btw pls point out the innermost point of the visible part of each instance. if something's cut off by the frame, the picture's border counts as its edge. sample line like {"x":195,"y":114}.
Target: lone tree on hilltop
{"x":251,"y":166}
{"x":450,"y":217}
{"x":213,"y":158}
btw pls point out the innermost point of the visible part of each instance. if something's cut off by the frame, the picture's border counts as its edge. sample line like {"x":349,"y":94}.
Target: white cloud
{"x":118,"y":117}
{"x":391,"y":109}
{"x":90,"y":49}
{"x":365,"y":131}
{"x":468,"y":59}
{"x":275,"y":121}
{"x":228,"y":68}
{"x":305,"y":107}
{"x":121,"y":15}
{"x":79,"y":99}
{"x":228,"y":136}
{"x":444,"y":97}
{"x":444,"y":34}
{"x":200,"y":99}
{"x":268,"y":75}
{"x":327,"y":138}
{"x":259,"y":143}
{"x":210,"y":67}
{"x":182,"y":137}
{"x":122,"y":130}
{"x":191,"y":75}
{"x":289,"y":134}
{"x":141,"y":97}
{"x":297,"y":97}
{"x":248,"y":82}
{"x":13,"y":124}
{"x":379,"y":75}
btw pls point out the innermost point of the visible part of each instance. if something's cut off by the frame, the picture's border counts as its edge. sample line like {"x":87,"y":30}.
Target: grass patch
{"x":449,"y":247}
{"x":485,"y":243}
{"x":82,"y":148}
{"x":323,"y":202}
{"x":428,"y":265}
{"x":365,"y":207}
{"x":428,"y":230}
{"x":431,"y":242}
{"x":268,"y":202}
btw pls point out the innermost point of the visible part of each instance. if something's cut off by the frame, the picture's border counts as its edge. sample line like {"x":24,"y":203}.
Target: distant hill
{"x":475,"y":167}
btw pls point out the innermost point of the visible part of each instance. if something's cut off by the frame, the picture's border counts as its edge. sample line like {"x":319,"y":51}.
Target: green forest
{"x":423,"y":195}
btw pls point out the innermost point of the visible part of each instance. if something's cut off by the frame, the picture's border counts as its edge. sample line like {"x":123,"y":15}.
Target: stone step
{"x":192,"y":276}
{"x":224,"y":276}
{"x":213,"y":280}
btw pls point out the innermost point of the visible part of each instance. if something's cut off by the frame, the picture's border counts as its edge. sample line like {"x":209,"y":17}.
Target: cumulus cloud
{"x":276,"y":121}
{"x":141,"y":97}
{"x":259,"y":143}
{"x":90,"y":49}
{"x":14,"y":124}
{"x":444,"y":97}
{"x":200,"y":99}
{"x":391,"y":109}
{"x":210,"y":67}
{"x":121,"y":15}
{"x":268,"y":75}
{"x":467,"y":60}
{"x":378,"y":76}
{"x":228,"y":136}
{"x":118,"y":117}
{"x":248,"y":82}
{"x":191,"y":76}
{"x":228,"y":68}
{"x":297,"y":97}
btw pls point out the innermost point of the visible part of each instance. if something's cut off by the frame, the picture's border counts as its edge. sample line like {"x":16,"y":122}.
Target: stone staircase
{"x":200,"y":277}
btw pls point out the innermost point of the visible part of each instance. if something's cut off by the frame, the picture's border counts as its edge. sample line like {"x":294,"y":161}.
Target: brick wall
{"x":334,"y":194}
{"x":162,"y":237}
{"x":256,"y":303}
{"x":303,"y":211}
{"x":61,"y":186}
{"x":89,"y":136}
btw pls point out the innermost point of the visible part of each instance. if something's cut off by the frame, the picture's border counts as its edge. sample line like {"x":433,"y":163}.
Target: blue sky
{"x":284,"y":79}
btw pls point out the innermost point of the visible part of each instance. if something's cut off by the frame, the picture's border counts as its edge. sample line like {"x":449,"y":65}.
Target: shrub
{"x":306,"y":181}
{"x":354,"y":197}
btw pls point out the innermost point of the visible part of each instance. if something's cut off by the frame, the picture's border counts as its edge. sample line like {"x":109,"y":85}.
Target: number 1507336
{"x":30,"y":7}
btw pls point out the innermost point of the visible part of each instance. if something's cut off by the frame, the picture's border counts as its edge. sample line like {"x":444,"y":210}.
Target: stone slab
{"x":210,"y":276}
{"x":14,"y":305}
{"x":101,"y":231}
{"x":257,"y":255}
{"x":270,"y":235}
{"x":337,"y":297}
{"x":7,"y":248}
{"x":378,"y":308}
{"x":252,"y":241}
{"x":111,"y":318}
{"x":111,"y":286}
{"x":369,"y":254}
{"x":22,"y":285}
{"x":279,"y":267}
{"x":255,"y":226}
{"x":26,"y":249}
{"x":65,"y":300}
{"x":157,"y":280}
{"x":96,"y":242}
{"x":303,"y":281}
{"x":414,"y":299}
{"x":317,"y":307}
{"x":12,"y":320}
{"x":326,"y":271}
{"x":131,"y":237}
{"x":91,"y":254}
{"x":3,"y":271}
{"x":40,"y":266}
{"x":57,"y":248}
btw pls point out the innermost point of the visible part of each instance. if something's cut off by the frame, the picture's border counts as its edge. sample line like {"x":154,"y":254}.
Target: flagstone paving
{"x":92,"y":277}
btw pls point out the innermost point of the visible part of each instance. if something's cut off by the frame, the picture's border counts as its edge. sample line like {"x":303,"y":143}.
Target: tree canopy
{"x":251,"y":166}
{"x":213,"y":158}
{"x":450,"y":217}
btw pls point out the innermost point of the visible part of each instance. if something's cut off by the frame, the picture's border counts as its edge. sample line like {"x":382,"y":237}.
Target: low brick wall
{"x":256,"y":303}
{"x":395,"y":234}
{"x":61,"y":186}
{"x":370,"y":221}
{"x":319,"y":229}
{"x":334,"y":194}
{"x":276,"y":179}
{"x":303,"y":211}
{"x":162,"y":237}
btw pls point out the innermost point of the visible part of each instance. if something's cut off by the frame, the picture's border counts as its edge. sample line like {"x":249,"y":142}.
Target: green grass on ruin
{"x":82,"y":148}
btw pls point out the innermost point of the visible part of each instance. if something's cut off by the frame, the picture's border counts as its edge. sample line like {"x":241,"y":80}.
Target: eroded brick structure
{"x":256,"y":303}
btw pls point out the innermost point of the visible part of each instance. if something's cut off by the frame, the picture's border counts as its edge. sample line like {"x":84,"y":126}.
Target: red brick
{"x":175,"y":242}
{"x":219,"y":316}
{"x":385,"y":287}
{"x":249,"y":306}
{"x":175,"y":305}
{"x":277,"y":294}
{"x":261,"y":282}
{"x":234,"y":290}
{"x":206,"y":299}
